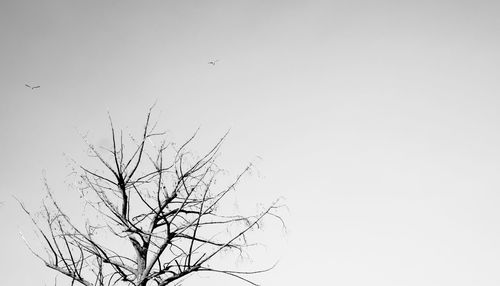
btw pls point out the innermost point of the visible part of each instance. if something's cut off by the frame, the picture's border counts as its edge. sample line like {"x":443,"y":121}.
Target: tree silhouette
{"x":151,"y":217}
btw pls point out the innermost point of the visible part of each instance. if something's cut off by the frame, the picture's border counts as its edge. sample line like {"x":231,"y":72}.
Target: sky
{"x":376,"y":121}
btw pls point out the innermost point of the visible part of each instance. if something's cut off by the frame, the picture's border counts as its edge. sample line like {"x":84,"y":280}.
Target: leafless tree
{"x":157,"y":216}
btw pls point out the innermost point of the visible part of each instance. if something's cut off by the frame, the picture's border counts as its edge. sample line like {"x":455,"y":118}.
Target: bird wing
{"x":27,"y":85}
{"x":36,"y":86}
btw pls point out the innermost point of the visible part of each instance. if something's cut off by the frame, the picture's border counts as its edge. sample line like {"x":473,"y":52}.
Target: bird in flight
{"x":213,"y":62}
{"x":32,"y":87}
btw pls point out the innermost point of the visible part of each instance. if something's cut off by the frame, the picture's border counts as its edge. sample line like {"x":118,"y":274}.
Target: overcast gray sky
{"x":377,"y":120}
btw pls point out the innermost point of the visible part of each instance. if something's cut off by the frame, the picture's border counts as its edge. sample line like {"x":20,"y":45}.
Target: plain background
{"x":376,"y":120}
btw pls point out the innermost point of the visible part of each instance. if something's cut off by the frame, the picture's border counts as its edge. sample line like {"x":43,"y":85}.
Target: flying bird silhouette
{"x":213,"y":62}
{"x":32,"y":87}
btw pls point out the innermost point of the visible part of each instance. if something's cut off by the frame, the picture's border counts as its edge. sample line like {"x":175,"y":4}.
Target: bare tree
{"x":151,"y":218}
